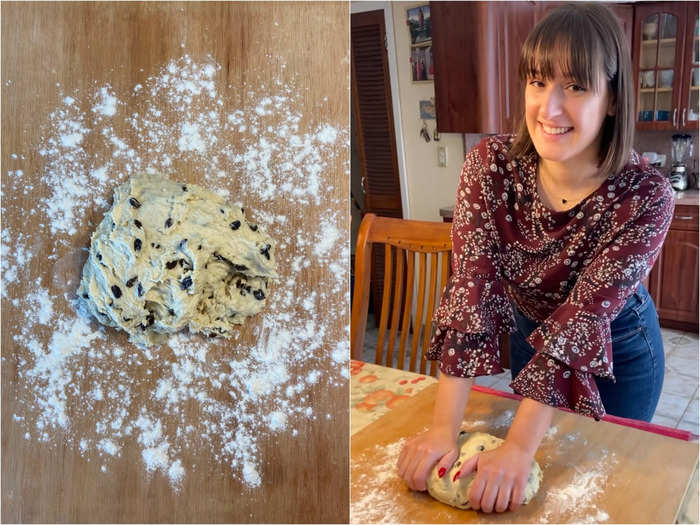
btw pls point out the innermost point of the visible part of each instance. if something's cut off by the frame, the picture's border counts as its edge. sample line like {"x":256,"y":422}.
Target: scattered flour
{"x":502,"y":421}
{"x":576,"y":498}
{"x":376,"y":505}
{"x":75,"y":373}
{"x":551,"y":432}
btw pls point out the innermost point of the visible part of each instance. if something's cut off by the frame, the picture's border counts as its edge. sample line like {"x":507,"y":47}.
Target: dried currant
{"x":138,"y":223}
{"x":137,"y":244}
{"x":259,"y":295}
{"x":168,"y":223}
{"x":116,"y":291}
{"x":170,"y":265}
{"x":266,"y":251}
{"x":131,"y":281}
{"x":186,"y":283}
{"x":134,"y":202}
{"x":235,"y":225}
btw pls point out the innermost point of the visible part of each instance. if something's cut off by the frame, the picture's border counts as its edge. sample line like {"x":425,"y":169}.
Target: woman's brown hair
{"x":584,"y":39}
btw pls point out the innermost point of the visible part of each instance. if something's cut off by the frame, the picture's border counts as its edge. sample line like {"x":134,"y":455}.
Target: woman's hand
{"x":501,"y":476}
{"x":419,"y":455}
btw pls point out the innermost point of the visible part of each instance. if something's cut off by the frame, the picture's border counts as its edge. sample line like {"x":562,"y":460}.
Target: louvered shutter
{"x":374,"y":128}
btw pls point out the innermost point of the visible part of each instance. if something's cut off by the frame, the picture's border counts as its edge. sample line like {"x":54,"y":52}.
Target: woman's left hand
{"x":501,"y":476}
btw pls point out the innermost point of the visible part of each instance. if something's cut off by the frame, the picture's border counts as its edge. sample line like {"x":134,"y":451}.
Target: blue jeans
{"x":638,"y":357}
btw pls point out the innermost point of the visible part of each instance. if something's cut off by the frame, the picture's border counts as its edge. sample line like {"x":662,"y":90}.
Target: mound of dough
{"x":169,"y":256}
{"x":457,"y":494}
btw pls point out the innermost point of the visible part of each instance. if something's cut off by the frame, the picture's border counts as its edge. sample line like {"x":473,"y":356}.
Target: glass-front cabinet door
{"x":691,"y":88}
{"x":659,"y":38}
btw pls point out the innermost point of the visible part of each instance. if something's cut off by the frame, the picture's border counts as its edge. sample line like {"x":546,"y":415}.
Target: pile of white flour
{"x":74,"y":374}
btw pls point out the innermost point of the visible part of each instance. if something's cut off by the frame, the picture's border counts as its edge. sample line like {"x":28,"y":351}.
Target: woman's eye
{"x":576,"y":88}
{"x":536,"y":83}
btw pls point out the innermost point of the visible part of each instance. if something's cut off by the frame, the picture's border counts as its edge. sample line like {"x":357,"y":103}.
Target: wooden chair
{"x":404,"y":241}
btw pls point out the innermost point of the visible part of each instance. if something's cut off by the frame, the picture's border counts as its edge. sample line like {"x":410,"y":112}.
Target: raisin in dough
{"x":169,"y":256}
{"x":457,"y":494}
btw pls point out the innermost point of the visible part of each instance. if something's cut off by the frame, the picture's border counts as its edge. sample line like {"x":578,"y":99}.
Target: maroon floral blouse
{"x":571,"y":271}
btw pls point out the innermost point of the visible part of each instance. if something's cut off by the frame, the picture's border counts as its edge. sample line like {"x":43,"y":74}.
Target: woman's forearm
{"x":529,"y":425}
{"x":450,"y":402}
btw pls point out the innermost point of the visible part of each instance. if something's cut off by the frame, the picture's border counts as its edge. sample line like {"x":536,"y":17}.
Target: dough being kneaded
{"x":169,"y":256}
{"x":457,"y":493}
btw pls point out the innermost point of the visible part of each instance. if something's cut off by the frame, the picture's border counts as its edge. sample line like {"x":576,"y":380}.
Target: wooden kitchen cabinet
{"x":673,"y":282}
{"x":665,"y":54}
{"x":476,"y":50}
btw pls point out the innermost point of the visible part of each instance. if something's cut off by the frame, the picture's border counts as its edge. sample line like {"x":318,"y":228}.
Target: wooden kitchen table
{"x":53,"y":49}
{"x":593,"y":471}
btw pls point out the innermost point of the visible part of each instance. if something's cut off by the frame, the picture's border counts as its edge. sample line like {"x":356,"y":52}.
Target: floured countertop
{"x":237,"y":99}
{"x":593,"y":472}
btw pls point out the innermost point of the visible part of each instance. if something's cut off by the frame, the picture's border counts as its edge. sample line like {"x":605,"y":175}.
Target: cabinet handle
{"x":684,"y":217}
{"x":675,"y":120}
{"x":683,"y":118}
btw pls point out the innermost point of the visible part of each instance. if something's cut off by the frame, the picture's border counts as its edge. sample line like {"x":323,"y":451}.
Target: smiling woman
{"x":578,"y":101}
{"x":554,"y":230}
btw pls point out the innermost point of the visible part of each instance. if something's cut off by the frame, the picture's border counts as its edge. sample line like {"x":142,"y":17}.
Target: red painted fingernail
{"x":441,"y":472}
{"x":456,"y":475}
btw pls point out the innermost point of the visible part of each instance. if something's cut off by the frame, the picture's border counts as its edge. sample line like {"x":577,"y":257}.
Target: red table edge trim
{"x":676,"y":433}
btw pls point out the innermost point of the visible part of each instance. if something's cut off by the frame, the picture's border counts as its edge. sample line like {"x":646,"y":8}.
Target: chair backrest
{"x":404,"y":242}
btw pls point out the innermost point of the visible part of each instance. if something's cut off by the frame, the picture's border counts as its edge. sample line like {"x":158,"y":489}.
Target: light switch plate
{"x":442,"y":156}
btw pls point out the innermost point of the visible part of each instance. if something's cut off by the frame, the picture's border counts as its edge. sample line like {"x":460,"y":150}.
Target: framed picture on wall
{"x":419,"y":24}
{"x":422,"y":63}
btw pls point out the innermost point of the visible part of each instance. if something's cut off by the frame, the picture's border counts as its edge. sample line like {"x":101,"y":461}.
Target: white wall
{"x":428,"y":187}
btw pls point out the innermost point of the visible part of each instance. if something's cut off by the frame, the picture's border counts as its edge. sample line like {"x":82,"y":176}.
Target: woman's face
{"x":565,"y":120}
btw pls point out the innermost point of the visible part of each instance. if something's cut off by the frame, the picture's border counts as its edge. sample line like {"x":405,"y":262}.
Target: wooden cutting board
{"x":593,"y":471}
{"x":79,"y":45}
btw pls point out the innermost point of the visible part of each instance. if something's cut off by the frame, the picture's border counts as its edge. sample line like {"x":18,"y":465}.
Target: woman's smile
{"x":554,"y":131}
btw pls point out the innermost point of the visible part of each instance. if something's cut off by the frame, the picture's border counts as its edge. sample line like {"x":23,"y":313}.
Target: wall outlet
{"x":442,"y":156}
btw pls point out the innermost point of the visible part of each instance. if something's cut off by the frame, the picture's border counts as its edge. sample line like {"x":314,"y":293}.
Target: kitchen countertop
{"x":688,"y":197}
{"x":387,"y":405}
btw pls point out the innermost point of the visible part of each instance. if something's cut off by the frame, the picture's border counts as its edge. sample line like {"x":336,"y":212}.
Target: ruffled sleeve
{"x":573,"y":345}
{"x":474,"y":308}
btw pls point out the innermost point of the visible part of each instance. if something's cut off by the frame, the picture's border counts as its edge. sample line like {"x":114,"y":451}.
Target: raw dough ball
{"x":457,"y":494}
{"x":169,"y":256}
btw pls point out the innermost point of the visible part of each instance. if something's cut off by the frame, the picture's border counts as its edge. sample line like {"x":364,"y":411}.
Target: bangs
{"x":567,"y":43}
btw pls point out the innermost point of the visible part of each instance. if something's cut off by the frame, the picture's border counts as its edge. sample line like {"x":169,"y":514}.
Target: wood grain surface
{"x":79,"y":45}
{"x":645,"y":475}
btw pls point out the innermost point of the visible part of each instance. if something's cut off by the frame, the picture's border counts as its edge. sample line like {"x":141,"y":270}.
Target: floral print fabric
{"x":571,"y":271}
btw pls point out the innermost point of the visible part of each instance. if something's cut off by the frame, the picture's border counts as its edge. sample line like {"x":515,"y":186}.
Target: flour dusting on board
{"x":376,"y":504}
{"x":77,"y":373}
{"x":575,"y":499}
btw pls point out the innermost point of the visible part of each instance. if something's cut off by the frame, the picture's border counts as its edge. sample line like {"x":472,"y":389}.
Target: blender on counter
{"x":681,"y":151}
